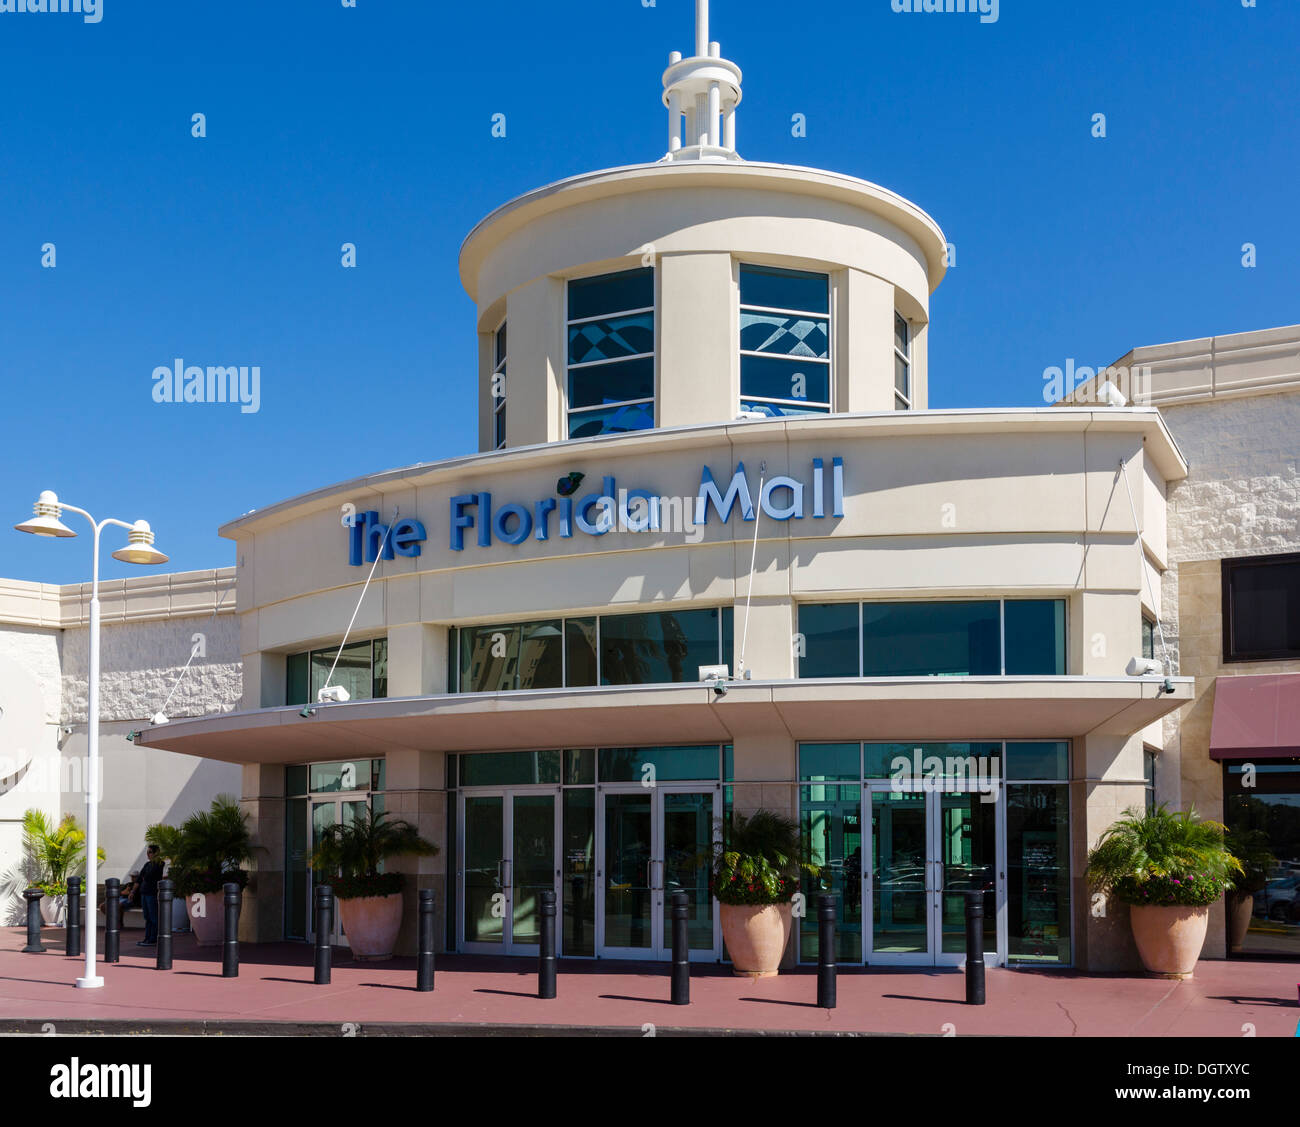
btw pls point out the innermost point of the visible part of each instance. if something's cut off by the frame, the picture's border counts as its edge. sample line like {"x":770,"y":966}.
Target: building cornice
{"x":144,"y":598}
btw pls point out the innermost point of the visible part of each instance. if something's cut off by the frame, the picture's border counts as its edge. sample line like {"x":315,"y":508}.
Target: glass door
{"x":928,"y":849}
{"x":507,"y":852}
{"x":655,"y":841}
{"x":325,"y":813}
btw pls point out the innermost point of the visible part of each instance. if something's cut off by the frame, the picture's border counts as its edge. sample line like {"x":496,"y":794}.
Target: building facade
{"x":153,"y":627}
{"x":706,"y":441}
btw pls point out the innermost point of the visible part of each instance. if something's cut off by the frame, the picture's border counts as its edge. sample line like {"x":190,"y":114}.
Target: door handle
{"x":506,"y":883}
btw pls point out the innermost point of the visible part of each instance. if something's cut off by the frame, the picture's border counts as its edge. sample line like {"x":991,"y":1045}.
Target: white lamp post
{"x":139,"y":550}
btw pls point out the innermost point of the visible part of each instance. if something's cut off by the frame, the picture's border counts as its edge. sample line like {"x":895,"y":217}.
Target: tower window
{"x":785,"y":365}
{"x":611,"y":333}
{"x":499,"y":391}
{"x":902,"y":363}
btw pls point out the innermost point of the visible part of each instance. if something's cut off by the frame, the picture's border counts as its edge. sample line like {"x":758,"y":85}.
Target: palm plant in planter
{"x":755,"y":876}
{"x":207,"y":851}
{"x":1169,"y":867}
{"x":349,"y":856}
{"x":59,"y":852}
{"x":1250,"y":847}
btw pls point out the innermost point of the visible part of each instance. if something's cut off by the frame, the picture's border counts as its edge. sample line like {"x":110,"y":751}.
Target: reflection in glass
{"x":627,"y":870}
{"x":1035,"y":637}
{"x":899,"y":909}
{"x":579,"y":888}
{"x":296,"y":894}
{"x":687,"y":836}
{"x":511,"y":656}
{"x":533,"y":863}
{"x":484,"y":837}
{"x":968,"y":852}
{"x":925,"y":639}
{"x":670,"y":764}
{"x":830,"y":824}
{"x":1272,"y":807}
{"x":509,"y":768}
{"x":829,"y":633}
{"x":657,"y":648}
{"x":1038,"y":873}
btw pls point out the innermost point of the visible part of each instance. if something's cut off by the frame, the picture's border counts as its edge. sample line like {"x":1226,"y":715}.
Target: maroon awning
{"x":1256,"y":716}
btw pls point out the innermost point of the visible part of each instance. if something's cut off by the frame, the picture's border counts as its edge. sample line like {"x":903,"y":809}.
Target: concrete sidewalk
{"x":274,"y":991}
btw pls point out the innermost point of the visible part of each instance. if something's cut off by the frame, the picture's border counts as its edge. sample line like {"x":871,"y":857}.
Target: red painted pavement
{"x":275,"y":985}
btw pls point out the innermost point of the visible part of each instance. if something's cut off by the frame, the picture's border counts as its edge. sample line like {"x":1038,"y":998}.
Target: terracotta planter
{"x":371,"y":924}
{"x":208,"y":924}
{"x":1241,"y":907}
{"x":1169,"y":939}
{"x":54,"y":910}
{"x":756,"y":936}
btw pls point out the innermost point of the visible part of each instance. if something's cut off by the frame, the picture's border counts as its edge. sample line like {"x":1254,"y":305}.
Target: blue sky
{"x":372,"y":125}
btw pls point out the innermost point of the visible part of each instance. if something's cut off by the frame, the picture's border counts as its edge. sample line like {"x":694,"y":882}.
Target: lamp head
{"x":159,"y":718}
{"x":45,"y":520}
{"x":336,"y":693}
{"x":139,"y":547}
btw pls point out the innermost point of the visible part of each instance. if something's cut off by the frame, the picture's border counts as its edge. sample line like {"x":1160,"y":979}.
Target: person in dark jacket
{"x":150,"y":875}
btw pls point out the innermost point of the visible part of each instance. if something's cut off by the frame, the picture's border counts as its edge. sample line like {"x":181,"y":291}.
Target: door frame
{"x":505,"y":882}
{"x":337,"y":938}
{"x":659,"y":949}
{"x":933,"y":956}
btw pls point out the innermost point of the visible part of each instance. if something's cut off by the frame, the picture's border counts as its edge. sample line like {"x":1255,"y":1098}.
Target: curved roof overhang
{"x":885,"y":709}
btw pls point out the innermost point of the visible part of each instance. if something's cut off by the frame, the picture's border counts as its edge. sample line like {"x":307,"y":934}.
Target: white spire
{"x":705,"y":91}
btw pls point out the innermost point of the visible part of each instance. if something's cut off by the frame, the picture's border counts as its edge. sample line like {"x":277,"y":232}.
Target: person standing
{"x":150,"y":875}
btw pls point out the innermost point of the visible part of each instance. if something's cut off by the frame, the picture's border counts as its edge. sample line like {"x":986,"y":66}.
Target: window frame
{"x":903,"y":402}
{"x":1228,"y":568}
{"x":653,"y":309}
{"x":828,"y":361}
{"x":500,"y":355}
{"x":334,"y":649}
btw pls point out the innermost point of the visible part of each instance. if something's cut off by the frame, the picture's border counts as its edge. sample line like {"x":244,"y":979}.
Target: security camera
{"x":66,"y":729}
{"x":336,"y":693}
{"x":720,"y":688}
{"x":716,"y":677}
{"x":1143,"y":667}
{"x":307,"y":710}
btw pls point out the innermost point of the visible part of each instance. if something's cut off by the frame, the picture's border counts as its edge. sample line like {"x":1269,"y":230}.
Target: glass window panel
{"x":687,"y":836}
{"x":902,"y":334}
{"x":451,"y":771}
{"x":830,"y":762}
{"x":1271,"y":807}
{"x":1035,"y":636}
{"x":611,"y":293}
{"x":377,"y":774}
{"x":657,"y":648}
{"x":770,"y":377}
{"x":612,"y":383}
{"x":352,"y":672}
{"x":925,"y":639}
{"x":612,"y":337}
{"x":580,"y":767}
{"x":968,"y":854}
{"x":580,"y":651}
{"x":784,"y":289}
{"x":783,"y":410}
{"x":612,"y":420}
{"x":579,"y":867}
{"x":784,"y":336}
{"x":379,"y":670}
{"x":937,"y":760}
{"x":509,"y":768}
{"x":900,"y":902}
{"x":296,"y":881}
{"x":901,"y":404}
{"x":484,"y":849}
{"x":325,"y":778}
{"x":1148,"y":639}
{"x":511,"y":656}
{"x":499,"y":426}
{"x":728,"y":764}
{"x":829,"y":640}
{"x":625,"y":764}
{"x":297,"y":679}
{"x":501,"y":344}
{"x":729,"y":638}
{"x":1049,"y":760}
{"x":1038,"y":873}
{"x":1264,"y":608}
{"x":830,"y":824}
{"x":541,"y":655}
{"x":295,"y":780}
{"x":901,"y":383}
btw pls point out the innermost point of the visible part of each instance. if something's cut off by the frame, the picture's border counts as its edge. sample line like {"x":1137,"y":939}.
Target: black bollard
{"x":324,"y":930}
{"x":33,"y":897}
{"x":112,"y":920}
{"x":975,"y":948}
{"x":165,"y":895}
{"x":424,"y":960}
{"x":73,"y":935}
{"x":681,"y":986}
{"x":546,"y":948}
{"x":826,"y":966}
{"x":230,"y":948}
